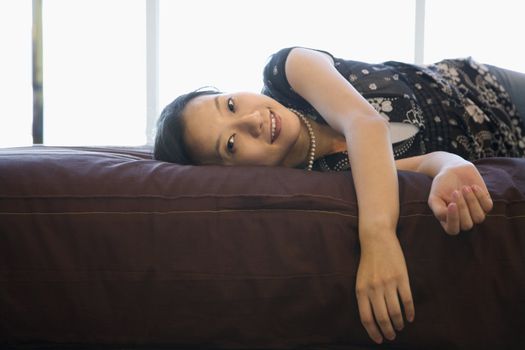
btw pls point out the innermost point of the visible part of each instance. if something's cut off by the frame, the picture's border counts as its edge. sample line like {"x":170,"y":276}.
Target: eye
{"x":231,"y":105}
{"x":230,"y":144}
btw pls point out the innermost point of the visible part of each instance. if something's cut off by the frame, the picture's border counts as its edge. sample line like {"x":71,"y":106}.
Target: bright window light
{"x":95,"y":52}
{"x":94,"y":72}
{"x":489,"y":31}
{"x":226,"y":43}
{"x":16,"y":98}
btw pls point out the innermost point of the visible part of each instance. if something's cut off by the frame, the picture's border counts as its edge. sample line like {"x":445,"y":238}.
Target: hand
{"x":459,"y":197}
{"x":382,"y":279}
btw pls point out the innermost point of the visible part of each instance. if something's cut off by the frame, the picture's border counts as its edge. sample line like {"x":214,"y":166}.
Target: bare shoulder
{"x":306,"y":68}
{"x":301,"y":60}
{"x":302,"y":54}
{"x":313,"y":75}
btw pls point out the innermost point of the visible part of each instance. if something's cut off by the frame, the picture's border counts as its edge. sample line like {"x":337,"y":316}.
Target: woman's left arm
{"x":458,"y":197}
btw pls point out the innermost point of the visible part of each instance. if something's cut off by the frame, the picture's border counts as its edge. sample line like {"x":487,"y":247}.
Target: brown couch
{"x":106,"y":248}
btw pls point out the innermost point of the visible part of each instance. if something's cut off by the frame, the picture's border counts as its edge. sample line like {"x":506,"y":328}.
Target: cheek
{"x":258,"y":154}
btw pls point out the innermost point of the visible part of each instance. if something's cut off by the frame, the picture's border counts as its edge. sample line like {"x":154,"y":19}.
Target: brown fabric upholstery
{"x":106,"y":247}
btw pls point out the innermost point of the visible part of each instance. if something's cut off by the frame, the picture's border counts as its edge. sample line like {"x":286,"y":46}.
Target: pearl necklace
{"x":312,"y":138}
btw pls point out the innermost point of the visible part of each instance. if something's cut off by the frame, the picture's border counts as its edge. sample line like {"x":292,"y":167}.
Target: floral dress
{"x":457,"y":105}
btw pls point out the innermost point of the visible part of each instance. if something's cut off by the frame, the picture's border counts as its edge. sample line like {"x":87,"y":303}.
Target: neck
{"x":328,"y":141}
{"x":312,"y":144}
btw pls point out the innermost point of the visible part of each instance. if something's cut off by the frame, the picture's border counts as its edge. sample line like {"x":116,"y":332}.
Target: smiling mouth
{"x":275,"y":129}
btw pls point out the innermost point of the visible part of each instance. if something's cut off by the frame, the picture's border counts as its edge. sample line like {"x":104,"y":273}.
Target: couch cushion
{"x":105,"y":246}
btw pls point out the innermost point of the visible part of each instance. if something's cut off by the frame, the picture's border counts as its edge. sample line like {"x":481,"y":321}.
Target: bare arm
{"x":430,"y":164}
{"x":314,"y":77}
{"x":382,"y":270}
{"x":459,"y":197}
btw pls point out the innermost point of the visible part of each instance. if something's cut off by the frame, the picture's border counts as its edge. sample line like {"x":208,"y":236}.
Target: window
{"x":16,"y":100}
{"x":226,"y":43}
{"x":107,"y":69}
{"x":94,"y":72}
{"x":489,"y":31}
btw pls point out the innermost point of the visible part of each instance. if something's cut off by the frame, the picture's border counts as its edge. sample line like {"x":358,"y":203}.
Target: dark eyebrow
{"x":217,"y":105}
{"x":217,"y":144}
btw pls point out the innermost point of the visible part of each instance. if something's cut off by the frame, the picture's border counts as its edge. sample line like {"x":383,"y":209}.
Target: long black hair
{"x":169,"y":139}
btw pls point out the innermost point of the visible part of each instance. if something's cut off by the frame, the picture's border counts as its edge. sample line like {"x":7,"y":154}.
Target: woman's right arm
{"x":382,"y":284}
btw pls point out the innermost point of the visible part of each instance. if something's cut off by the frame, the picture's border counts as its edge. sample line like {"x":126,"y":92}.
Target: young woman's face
{"x":243,"y":129}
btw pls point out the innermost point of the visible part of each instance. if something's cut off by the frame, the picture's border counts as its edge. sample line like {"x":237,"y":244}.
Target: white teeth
{"x":273,"y":125}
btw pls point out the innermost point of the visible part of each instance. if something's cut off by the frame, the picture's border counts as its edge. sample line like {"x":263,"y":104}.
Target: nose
{"x":252,"y":123}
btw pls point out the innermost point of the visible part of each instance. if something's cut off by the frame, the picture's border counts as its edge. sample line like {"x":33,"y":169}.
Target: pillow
{"x":107,"y":247}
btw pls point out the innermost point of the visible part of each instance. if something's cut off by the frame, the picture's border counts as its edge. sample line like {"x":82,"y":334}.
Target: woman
{"x":324,"y":113}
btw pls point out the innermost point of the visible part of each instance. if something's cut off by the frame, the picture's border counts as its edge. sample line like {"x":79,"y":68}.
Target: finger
{"x":476,"y":212}
{"x":484,"y":198}
{"x":406,"y":299}
{"x":451,"y":226}
{"x":367,"y":319}
{"x":394,"y":309}
{"x":381,"y":315}
{"x":438,"y":207}
{"x":464,"y":214}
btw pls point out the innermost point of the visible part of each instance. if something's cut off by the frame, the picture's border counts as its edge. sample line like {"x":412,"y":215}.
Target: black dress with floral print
{"x":457,"y":104}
